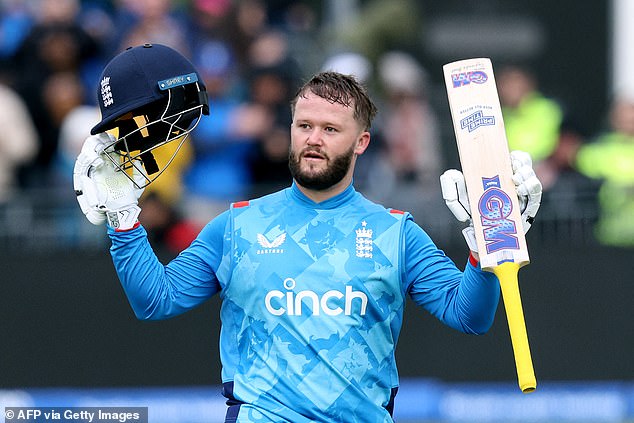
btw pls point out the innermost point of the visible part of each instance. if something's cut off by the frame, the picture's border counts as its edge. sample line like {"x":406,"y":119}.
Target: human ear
{"x":362,"y":142}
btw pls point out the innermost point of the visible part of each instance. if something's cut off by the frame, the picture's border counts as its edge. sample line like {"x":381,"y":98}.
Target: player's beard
{"x":335,"y":171}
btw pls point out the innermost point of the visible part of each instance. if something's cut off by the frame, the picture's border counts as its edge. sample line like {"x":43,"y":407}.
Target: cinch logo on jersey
{"x":476,"y":120}
{"x":465,"y":78}
{"x":271,"y":247}
{"x":106,"y":92}
{"x":332,"y":303}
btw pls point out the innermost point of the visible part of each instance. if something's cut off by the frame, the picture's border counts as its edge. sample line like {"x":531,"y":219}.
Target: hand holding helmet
{"x":104,"y":193}
{"x":149,"y":96}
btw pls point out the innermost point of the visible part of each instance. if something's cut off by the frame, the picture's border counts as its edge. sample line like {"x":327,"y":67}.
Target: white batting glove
{"x":527,"y":186}
{"x":454,"y":192}
{"x":103,"y":192}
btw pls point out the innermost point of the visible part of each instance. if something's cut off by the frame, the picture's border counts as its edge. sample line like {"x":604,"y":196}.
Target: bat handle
{"x":507,"y":275}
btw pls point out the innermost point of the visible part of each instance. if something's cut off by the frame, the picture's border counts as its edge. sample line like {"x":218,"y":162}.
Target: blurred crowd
{"x":252,"y":55}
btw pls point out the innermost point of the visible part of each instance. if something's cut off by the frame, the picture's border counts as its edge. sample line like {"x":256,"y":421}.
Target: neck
{"x":322,"y":195}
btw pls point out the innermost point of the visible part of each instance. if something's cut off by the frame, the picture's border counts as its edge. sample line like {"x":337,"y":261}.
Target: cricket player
{"x":313,"y":278}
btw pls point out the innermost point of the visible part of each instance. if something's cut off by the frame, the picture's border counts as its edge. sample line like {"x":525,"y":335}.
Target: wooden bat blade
{"x":484,"y":157}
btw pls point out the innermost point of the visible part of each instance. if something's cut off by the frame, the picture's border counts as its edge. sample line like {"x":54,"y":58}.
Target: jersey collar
{"x":338,"y":200}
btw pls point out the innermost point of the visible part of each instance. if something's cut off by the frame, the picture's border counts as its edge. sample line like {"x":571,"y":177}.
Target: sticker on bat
{"x":495,"y":207}
{"x":465,"y":78}
{"x":476,"y":120}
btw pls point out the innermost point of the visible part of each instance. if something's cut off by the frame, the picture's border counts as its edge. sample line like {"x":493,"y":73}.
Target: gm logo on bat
{"x":495,"y":207}
{"x":465,"y":78}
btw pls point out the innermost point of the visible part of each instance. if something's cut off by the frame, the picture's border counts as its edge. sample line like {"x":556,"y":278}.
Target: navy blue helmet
{"x":150,"y":95}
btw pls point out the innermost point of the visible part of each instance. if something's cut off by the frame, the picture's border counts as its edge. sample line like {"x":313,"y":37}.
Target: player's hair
{"x":343,"y":89}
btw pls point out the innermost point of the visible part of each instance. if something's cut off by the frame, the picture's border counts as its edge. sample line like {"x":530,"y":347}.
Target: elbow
{"x":479,"y":331}
{"x":478,"y":327}
{"x":148,"y":317}
{"x":146,"y":313}
{"x":481,"y":328}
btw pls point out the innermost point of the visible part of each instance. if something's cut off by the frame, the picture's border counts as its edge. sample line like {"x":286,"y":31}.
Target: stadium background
{"x":69,"y":338}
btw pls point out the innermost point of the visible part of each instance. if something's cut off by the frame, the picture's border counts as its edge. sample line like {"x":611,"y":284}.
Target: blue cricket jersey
{"x":312,"y":300}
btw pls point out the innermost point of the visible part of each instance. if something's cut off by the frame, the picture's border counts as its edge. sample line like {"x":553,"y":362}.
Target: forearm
{"x":477,"y":299}
{"x":466,"y":301}
{"x":155,"y":291}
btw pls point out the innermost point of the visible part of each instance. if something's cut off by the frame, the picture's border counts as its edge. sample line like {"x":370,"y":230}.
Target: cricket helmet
{"x":149,"y":96}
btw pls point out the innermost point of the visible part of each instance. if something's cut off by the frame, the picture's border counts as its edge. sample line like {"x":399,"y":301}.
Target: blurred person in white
{"x":409,"y":125}
{"x":350,"y":63}
{"x":18,"y":140}
{"x":410,"y":156}
{"x":72,"y":135}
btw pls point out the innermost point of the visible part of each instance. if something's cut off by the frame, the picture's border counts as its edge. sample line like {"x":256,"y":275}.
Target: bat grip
{"x":507,"y":275}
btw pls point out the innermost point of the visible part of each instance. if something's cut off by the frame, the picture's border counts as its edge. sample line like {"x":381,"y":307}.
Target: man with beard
{"x":313,"y":278}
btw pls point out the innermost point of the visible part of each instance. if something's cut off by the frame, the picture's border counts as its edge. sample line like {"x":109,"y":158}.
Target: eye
{"x":330,"y":129}
{"x":303,"y":126}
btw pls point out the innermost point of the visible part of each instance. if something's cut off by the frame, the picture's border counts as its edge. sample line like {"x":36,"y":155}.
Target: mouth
{"x":312,"y":155}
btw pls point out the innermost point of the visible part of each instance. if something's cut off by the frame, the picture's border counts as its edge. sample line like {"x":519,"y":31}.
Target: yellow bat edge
{"x":507,"y":275}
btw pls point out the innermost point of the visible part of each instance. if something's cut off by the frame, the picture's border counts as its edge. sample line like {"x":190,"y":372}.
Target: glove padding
{"x":103,"y":192}
{"x":527,"y":186}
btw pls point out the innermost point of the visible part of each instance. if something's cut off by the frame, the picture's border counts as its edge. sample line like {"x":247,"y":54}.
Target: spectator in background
{"x":370,"y":170}
{"x":236,"y":24}
{"x":378,"y":27}
{"x":16,"y":20}
{"x":569,"y":202}
{"x":55,"y":48}
{"x":166,"y":228}
{"x":409,"y":125}
{"x":248,"y":19}
{"x":532,"y":121}
{"x":271,"y":89}
{"x":272,"y":82}
{"x":301,"y":24}
{"x":409,"y":159}
{"x":269,"y":165}
{"x":273,"y":74}
{"x":209,"y":22}
{"x":610,"y":159}
{"x":152,"y":21}
{"x":18,"y":139}
{"x":62,"y":94}
{"x":225,"y":140}
{"x":350,"y":63}
{"x":75,"y":125}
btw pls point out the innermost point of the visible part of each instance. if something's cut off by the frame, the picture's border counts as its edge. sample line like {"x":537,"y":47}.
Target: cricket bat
{"x":486,"y":165}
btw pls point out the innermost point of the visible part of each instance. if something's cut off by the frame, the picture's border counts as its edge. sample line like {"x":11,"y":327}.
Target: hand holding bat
{"x":527,"y":186}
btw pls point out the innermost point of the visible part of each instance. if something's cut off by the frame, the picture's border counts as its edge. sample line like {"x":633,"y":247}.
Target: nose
{"x":314,"y":137}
